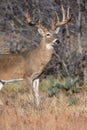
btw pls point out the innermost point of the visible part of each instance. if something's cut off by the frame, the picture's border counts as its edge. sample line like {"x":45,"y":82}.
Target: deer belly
{"x":16,"y":72}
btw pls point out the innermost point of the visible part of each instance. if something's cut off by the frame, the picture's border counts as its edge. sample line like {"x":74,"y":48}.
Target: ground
{"x":18,"y":113}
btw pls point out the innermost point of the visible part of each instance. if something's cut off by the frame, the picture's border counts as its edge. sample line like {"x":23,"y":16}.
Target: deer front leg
{"x":33,"y":87}
{"x":36,"y":91}
{"x":30,"y":89}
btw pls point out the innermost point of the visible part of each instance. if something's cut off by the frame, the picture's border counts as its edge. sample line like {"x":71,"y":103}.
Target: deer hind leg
{"x":36,"y":91}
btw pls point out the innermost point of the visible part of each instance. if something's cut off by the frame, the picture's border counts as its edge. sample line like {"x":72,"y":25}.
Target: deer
{"x":29,"y":65}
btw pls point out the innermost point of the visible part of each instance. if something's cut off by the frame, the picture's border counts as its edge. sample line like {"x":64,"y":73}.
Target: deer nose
{"x":57,"y":42}
{"x":54,"y":42}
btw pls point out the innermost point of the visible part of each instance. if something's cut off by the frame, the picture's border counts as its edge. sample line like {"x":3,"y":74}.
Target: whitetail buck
{"x":29,"y":65}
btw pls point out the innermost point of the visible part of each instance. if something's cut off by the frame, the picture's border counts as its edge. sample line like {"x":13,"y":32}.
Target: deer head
{"x":49,"y":36}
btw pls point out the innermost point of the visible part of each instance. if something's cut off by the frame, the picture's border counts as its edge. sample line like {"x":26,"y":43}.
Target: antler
{"x":65,"y":19}
{"x":53,"y":24}
{"x":28,"y":18}
{"x":39,"y":25}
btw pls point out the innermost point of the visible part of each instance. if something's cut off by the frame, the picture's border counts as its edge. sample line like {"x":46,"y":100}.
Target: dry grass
{"x":44,"y":84}
{"x":61,"y":103}
{"x":15,"y":87}
{"x":85,"y":85}
{"x":14,"y":94}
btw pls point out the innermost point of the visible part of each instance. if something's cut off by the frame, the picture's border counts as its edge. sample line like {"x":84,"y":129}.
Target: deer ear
{"x":41,"y":31}
{"x":57,"y":30}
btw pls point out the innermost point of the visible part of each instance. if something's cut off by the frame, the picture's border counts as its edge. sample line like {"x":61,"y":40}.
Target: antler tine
{"x":68,"y":12}
{"x":65,"y":19}
{"x":63,"y":12}
{"x":53,"y":24}
{"x":27,"y":16}
{"x":39,"y":25}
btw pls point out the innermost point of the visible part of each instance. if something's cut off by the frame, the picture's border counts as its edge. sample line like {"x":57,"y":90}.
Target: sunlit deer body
{"x":29,"y":65}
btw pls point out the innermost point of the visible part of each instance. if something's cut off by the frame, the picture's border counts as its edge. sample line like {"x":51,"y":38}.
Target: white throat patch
{"x":49,"y":46}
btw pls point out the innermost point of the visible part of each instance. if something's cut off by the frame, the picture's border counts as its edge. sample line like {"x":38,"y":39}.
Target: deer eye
{"x":48,"y":35}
